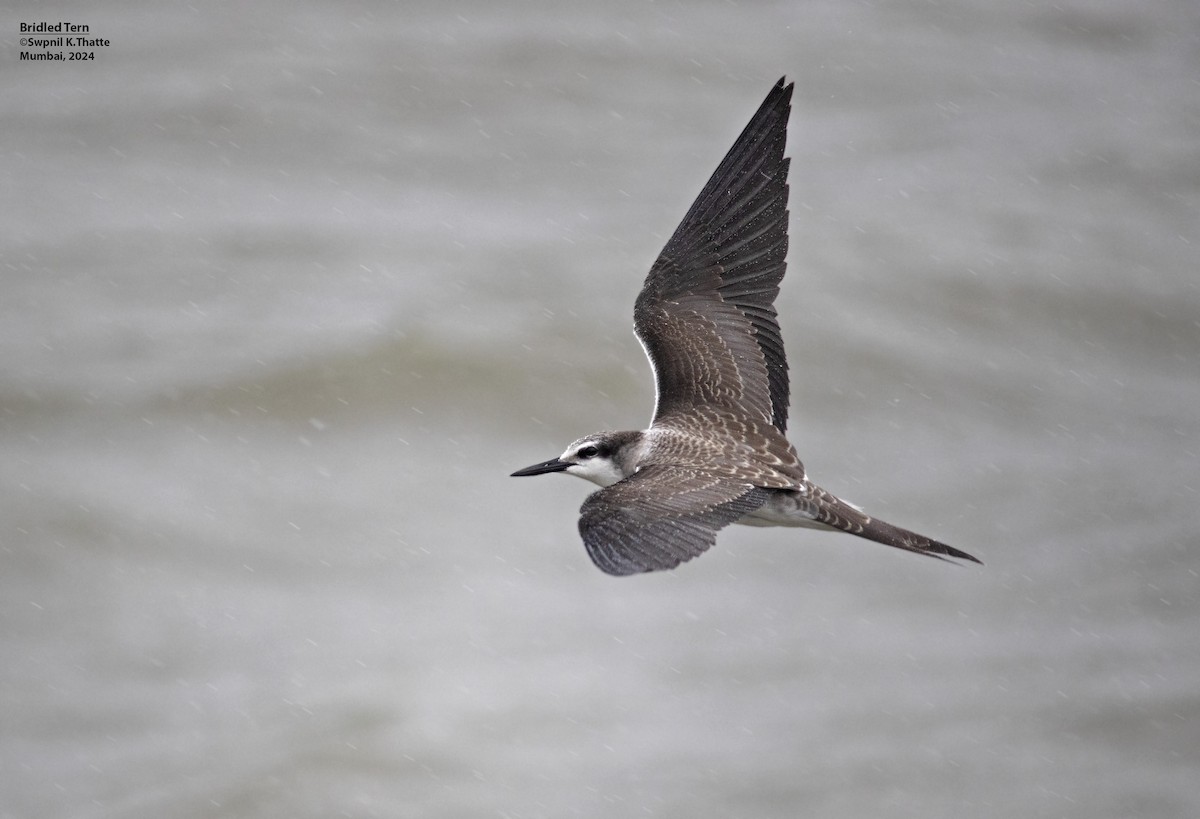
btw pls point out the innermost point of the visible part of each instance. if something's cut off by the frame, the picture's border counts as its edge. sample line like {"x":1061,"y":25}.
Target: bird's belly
{"x":782,"y":509}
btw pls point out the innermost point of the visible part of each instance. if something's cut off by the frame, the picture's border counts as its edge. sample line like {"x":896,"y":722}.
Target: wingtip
{"x":780,"y":97}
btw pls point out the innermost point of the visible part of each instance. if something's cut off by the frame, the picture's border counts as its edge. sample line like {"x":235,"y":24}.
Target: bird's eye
{"x":588,"y":452}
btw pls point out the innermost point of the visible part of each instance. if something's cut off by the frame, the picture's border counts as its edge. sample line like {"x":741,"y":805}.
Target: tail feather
{"x":837,"y":513}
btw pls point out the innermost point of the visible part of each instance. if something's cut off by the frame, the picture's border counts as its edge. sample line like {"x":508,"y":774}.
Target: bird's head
{"x":602,"y":458}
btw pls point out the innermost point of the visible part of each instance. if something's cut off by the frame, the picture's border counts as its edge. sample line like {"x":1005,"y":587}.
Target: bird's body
{"x":716,"y":451}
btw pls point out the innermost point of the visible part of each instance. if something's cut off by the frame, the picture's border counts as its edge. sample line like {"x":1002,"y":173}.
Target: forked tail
{"x":837,"y":513}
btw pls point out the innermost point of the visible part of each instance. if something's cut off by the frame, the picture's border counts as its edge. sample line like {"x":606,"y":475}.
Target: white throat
{"x":600,"y":471}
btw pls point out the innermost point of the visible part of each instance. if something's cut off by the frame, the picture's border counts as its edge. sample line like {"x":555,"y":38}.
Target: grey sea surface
{"x":288,"y":289}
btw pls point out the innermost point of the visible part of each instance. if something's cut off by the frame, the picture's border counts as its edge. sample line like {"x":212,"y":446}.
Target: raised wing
{"x":661,"y":516}
{"x":706,"y":313}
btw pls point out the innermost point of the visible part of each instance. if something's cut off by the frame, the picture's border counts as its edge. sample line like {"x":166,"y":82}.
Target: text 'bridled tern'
{"x":716,"y":451}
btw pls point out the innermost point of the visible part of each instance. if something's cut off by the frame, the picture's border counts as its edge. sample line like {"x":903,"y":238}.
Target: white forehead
{"x":575,"y":446}
{"x":596,"y":439}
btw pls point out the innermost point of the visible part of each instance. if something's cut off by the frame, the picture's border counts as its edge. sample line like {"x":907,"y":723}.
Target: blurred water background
{"x":288,"y":289}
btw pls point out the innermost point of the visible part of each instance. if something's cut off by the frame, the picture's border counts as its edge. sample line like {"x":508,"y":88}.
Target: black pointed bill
{"x":552,"y":465}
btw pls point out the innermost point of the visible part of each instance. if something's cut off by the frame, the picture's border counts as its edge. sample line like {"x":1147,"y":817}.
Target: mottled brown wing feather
{"x":661,"y":516}
{"x":705,"y":314}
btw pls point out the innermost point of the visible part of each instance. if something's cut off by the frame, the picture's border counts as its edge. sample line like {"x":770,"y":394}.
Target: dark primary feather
{"x":705,"y":313}
{"x":661,"y":516}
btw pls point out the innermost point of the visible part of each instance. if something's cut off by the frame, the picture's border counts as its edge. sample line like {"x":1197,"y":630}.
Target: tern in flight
{"x":716,"y":451}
